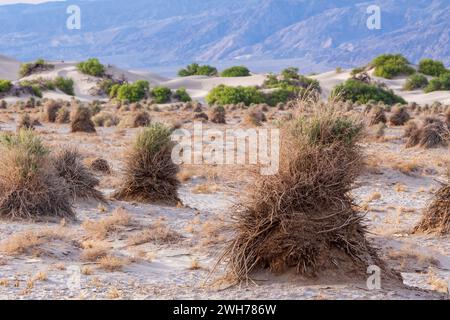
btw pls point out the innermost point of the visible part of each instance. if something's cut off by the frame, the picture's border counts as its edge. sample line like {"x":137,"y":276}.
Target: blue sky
{"x":3,"y":2}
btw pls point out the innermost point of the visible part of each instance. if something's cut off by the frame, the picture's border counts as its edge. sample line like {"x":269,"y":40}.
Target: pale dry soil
{"x":393,"y":191}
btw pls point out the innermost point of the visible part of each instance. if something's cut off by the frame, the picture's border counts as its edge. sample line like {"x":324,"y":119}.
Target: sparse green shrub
{"x":36,"y":91}
{"x":91,"y":67}
{"x":27,"y":69}
{"x":106,"y":85}
{"x":114,"y":90}
{"x":41,"y":83}
{"x":390,"y":65}
{"x":361,"y":92}
{"x":223,"y":95}
{"x":195,"y":69}
{"x":161,"y":94}
{"x":281,"y":95}
{"x":182,"y":95}
{"x":130,"y":92}
{"x":65,"y":85}
{"x":290,"y":73}
{"x":439,"y":83}
{"x":237,"y":71}
{"x":432,"y":67}
{"x":5,"y":85}
{"x":416,"y":81}
{"x":292,"y":81}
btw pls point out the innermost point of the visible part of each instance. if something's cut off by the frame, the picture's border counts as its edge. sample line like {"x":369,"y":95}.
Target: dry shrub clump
{"x":254,"y":117}
{"x":105,"y":119}
{"x":303,"y":217}
{"x":136,"y":120}
{"x":218,"y":115}
{"x":150,"y":174}
{"x":50,"y":111}
{"x":81,"y":120}
{"x":79,"y":179}
{"x":431,"y":134}
{"x":25,"y":122}
{"x":377,"y":115}
{"x":98,"y":165}
{"x":447,"y":117}
{"x":29,"y":185}
{"x":437,"y":216}
{"x":63,"y":115}
{"x":399,"y":116}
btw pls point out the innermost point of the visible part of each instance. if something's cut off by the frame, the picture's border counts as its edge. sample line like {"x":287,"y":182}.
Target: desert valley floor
{"x":162,"y":252}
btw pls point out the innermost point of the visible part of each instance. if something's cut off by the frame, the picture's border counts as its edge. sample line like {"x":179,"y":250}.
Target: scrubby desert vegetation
{"x":90,"y":185}
{"x":195,"y":69}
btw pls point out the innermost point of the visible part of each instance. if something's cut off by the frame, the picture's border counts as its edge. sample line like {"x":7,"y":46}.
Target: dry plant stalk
{"x":303,"y":217}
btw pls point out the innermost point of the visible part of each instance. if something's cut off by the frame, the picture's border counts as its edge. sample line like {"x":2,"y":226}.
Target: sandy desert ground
{"x":159,"y":252}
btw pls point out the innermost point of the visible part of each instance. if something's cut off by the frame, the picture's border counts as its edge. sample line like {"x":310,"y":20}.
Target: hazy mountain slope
{"x":153,"y":32}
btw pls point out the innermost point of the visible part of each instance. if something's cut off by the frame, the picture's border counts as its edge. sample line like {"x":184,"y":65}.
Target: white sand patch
{"x":9,"y":68}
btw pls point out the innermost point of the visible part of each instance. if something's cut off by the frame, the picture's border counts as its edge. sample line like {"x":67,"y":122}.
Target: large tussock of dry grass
{"x":303,"y":217}
{"x":80,"y":120}
{"x":437,"y":215}
{"x":80,"y":180}
{"x":30,"y":188}
{"x":431,"y":133}
{"x":150,"y":174}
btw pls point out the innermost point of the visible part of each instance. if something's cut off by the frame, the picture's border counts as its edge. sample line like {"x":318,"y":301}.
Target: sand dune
{"x":197,"y":86}
{"x":9,"y":68}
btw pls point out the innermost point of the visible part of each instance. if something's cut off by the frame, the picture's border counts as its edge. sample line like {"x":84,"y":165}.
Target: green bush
{"x":65,"y":85}
{"x":390,"y":65}
{"x":182,"y":95}
{"x":223,"y":95}
{"x":105,"y":85}
{"x":27,"y":69}
{"x":161,"y":94}
{"x":39,"y":85}
{"x":237,"y":71}
{"x":361,"y":92}
{"x":131,"y":92}
{"x":36,"y":91}
{"x":439,"y":83}
{"x":114,"y":90}
{"x":416,"y":81}
{"x":290,"y":73}
{"x":281,"y":95}
{"x":92,"y":67}
{"x":5,"y":85}
{"x":291,"y":80}
{"x":196,"y":70}
{"x":431,"y":67}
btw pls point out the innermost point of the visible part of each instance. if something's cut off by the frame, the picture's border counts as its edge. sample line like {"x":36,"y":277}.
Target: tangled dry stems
{"x":79,"y":179}
{"x":81,"y":120}
{"x":30,"y":187}
{"x":150,"y":174}
{"x":303,"y":217}
{"x":437,"y":215}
